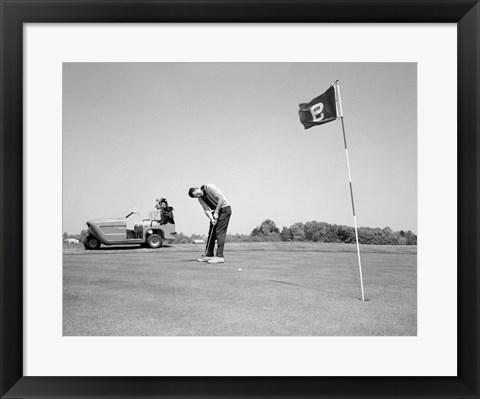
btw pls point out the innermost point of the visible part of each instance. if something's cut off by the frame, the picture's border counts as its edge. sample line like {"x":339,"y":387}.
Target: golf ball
{"x":239,"y":270}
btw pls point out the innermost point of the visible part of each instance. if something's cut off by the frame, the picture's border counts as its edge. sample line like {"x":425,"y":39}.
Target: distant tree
{"x":346,"y":234}
{"x":285,"y":234}
{"x":195,"y":237}
{"x":366,"y":235}
{"x":65,"y":235}
{"x":297,"y":232}
{"x":315,"y":231}
{"x":83,"y":235}
{"x":181,"y":238}
{"x":238,"y":238}
{"x":331,"y":233}
{"x":393,"y":238}
{"x":267,"y":229}
{"x":378,"y":236}
{"x":411,"y":238}
{"x":387,"y":231}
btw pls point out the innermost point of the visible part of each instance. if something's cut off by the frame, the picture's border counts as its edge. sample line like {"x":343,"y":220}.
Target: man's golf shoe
{"x":216,"y":259}
{"x":205,"y":258}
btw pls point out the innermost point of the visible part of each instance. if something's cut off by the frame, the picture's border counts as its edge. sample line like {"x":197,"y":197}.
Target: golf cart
{"x":151,"y":232}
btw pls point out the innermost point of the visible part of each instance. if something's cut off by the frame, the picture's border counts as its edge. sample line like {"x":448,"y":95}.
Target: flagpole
{"x":340,"y":112}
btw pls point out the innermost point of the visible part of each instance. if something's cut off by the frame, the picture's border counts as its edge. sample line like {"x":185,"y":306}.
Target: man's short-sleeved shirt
{"x":211,"y":196}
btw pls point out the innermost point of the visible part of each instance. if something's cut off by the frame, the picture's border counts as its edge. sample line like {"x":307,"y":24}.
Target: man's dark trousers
{"x":218,"y":232}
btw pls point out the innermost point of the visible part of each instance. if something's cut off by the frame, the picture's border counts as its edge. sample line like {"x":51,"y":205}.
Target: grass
{"x":288,"y":289}
{"x":77,"y":249}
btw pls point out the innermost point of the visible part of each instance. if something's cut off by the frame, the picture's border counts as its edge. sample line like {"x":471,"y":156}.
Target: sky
{"x":134,"y":132}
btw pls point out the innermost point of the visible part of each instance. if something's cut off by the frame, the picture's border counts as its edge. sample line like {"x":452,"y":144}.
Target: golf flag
{"x":320,"y":110}
{"x":325,"y":108}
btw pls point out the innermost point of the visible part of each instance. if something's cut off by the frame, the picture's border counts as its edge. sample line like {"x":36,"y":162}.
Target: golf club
{"x":210,"y":237}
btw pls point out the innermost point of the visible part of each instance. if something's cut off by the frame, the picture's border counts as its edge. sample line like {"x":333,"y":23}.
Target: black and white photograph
{"x":239,"y":199}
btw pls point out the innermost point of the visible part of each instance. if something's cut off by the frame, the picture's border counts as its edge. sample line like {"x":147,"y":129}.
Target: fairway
{"x":286,"y":289}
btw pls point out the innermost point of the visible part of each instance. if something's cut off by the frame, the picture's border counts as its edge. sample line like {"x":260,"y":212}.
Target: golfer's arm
{"x":206,"y":209}
{"x":208,"y":212}
{"x":219,"y":196}
{"x":221,"y":201}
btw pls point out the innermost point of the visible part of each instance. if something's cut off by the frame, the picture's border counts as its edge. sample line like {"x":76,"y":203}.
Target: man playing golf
{"x":218,"y":211}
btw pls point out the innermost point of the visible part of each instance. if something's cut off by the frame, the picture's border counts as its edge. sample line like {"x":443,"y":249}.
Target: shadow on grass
{"x":127,"y":247}
{"x":313,"y":289}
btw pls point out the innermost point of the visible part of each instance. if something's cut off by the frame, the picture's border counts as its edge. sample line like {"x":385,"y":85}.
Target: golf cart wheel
{"x":91,"y":242}
{"x":154,"y":241}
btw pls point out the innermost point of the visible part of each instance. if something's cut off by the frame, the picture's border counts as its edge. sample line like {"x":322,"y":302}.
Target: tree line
{"x":310,"y":231}
{"x":316,"y":232}
{"x":325,"y":232}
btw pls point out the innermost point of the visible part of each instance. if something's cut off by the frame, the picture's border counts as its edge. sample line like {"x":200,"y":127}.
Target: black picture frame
{"x":14,"y":13}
